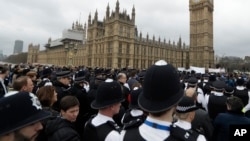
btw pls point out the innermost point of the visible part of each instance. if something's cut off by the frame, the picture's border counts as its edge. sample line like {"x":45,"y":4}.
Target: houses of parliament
{"x":115,"y":42}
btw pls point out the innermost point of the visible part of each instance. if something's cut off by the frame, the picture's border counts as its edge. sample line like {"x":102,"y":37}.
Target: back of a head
{"x":229,"y":90}
{"x":3,"y":69}
{"x":20,"y":82}
{"x":240,"y":81}
{"x":192,"y":82}
{"x":45,"y":94}
{"x":161,"y":88}
{"x":31,"y":74}
{"x":219,"y":85}
{"x":121,"y":75}
{"x":235,"y":104}
{"x":134,"y":97}
{"x":133,"y":73}
{"x":191,"y":92}
{"x":108,"y":93}
{"x":186,"y":105}
{"x":46,"y":72}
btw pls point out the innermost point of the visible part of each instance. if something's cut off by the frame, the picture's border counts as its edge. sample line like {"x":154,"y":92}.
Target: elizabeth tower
{"x":201,"y":33}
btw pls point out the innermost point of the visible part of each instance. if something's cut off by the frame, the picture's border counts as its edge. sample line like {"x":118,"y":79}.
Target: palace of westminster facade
{"x":116,"y":43}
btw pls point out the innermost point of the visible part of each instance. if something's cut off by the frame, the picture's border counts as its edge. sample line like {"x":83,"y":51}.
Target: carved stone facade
{"x":201,"y":33}
{"x":116,"y":43}
{"x":33,"y":51}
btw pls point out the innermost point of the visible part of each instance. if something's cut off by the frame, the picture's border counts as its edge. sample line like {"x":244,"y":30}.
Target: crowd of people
{"x":49,"y":103}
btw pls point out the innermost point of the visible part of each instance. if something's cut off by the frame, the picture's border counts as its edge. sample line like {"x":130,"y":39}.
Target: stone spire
{"x":89,"y":21}
{"x":107,"y":12}
{"x":133,"y":13}
{"x":96,"y":15}
{"x":117,"y":7}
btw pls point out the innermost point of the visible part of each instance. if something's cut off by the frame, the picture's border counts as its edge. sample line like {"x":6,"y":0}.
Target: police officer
{"x":201,"y":121}
{"x":108,"y":101}
{"x":21,"y":116}
{"x":185,"y":112}
{"x":215,"y":102}
{"x":134,"y":116}
{"x":79,"y":90}
{"x":45,"y":77}
{"x":241,"y":91}
{"x":193,"y":83}
{"x":161,"y":93}
{"x":62,"y":86}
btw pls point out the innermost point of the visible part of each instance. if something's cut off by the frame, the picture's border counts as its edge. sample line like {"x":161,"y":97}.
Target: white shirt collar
{"x":218,"y":93}
{"x":240,"y":87}
{"x":183,"y":124}
{"x":101,"y":119}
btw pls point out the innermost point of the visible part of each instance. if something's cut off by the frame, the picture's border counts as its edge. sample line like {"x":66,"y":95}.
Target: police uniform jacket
{"x":216,"y":103}
{"x":242,"y":93}
{"x":61,"y":90}
{"x":203,"y":123}
{"x":133,"y":115}
{"x":151,"y":133}
{"x":187,"y":126}
{"x":85,"y":109}
{"x":125,"y":92}
{"x":81,"y":94}
{"x":101,"y":128}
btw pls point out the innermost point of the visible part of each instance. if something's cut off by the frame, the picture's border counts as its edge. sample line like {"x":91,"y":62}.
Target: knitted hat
{"x":108,"y":93}
{"x":20,"y":110}
{"x":186,"y":105}
{"x":161,"y":88}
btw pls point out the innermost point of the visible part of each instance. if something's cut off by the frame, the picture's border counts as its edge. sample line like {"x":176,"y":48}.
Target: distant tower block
{"x":18,"y":47}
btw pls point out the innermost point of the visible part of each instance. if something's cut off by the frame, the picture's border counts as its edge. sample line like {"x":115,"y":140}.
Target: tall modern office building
{"x":1,"y":55}
{"x":18,"y":47}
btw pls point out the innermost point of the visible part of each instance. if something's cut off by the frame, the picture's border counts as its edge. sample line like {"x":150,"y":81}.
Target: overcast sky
{"x":34,"y":21}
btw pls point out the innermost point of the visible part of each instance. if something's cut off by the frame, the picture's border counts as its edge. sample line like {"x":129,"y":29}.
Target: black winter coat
{"x":61,"y":130}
